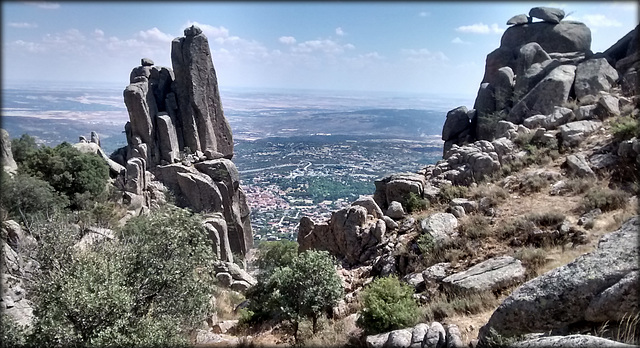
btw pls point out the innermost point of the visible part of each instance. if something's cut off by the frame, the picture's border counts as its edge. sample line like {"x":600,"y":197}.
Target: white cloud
{"x":98,"y":33}
{"x":44,"y":5}
{"x":154,"y":34}
{"x":423,"y":55}
{"x":596,"y":20}
{"x":424,"y":14}
{"x":24,"y":25}
{"x":210,"y":31}
{"x":31,"y":47}
{"x":480,"y":28}
{"x":458,"y":40}
{"x":339,"y":31}
{"x":287,"y":40}
{"x":327,"y":46}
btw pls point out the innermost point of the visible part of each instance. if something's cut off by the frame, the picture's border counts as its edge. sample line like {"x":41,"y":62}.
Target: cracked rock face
{"x":493,"y":274}
{"x":565,"y":295}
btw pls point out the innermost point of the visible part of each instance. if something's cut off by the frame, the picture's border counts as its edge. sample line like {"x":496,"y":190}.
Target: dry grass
{"x":226,"y":302}
{"x":335,"y":333}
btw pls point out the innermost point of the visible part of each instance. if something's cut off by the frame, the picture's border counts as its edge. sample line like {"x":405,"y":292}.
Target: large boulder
{"x":200,"y":108}
{"x":494,"y":274}
{"x":397,"y":187}
{"x":398,"y":339}
{"x":553,"y":90}
{"x":570,"y":341}
{"x":547,"y":14}
{"x":577,"y":165}
{"x":440,"y":226}
{"x":8,"y":163}
{"x":573,"y":133}
{"x":564,"y":295}
{"x":593,"y":76}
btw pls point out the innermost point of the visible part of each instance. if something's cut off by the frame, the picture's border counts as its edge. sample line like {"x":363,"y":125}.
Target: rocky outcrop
{"x":178,"y":137}
{"x":593,"y":76}
{"x":200,"y":110}
{"x":577,"y":291}
{"x":397,"y":187}
{"x":570,"y":341}
{"x":8,"y":164}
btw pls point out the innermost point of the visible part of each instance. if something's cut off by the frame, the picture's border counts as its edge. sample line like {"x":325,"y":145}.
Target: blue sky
{"x":420,"y":47}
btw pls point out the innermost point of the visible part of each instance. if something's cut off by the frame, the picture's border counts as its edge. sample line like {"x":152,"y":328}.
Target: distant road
{"x":271,"y":167}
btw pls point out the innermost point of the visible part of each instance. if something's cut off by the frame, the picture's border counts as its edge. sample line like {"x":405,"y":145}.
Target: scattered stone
{"x":436,"y":337}
{"x":395,"y":210}
{"x":440,"y":226}
{"x":398,"y":339}
{"x":577,"y":164}
{"x":573,"y":133}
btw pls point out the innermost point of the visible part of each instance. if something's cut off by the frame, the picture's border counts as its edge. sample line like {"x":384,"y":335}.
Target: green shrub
{"x":273,"y":254}
{"x":449,"y":192}
{"x":487,"y":124}
{"x":12,"y":334}
{"x":426,"y":243}
{"x":577,"y":185}
{"x":533,"y":183}
{"x":27,"y":197}
{"x":514,"y":228}
{"x":604,"y":198}
{"x":388,"y":305}
{"x":68,"y":171}
{"x":149,"y":286}
{"x":626,"y":127}
{"x":414,"y":203}
{"x":23,"y":147}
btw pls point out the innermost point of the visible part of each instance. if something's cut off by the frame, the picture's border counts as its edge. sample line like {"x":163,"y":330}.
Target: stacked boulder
{"x":422,"y":335}
{"x":178,"y":138}
{"x":8,"y":163}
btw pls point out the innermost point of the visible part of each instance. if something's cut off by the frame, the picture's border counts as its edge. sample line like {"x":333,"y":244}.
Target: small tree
{"x":25,"y":197}
{"x":272,"y":255}
{"x":388,"y":305}
{"x":23,"y":147}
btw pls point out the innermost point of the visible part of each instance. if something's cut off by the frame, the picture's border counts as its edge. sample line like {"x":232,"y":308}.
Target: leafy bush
{"x":624,"y":128}
{"x":26,"y":197}
{"x":415,"y":203}
{"x":388,"y":305}
{"x":149,"y":286}
{"x":12,"y":334}
{"x":488,"y":123}
{"x":23,"y":147}
{"x":304,"y":288}
{"x":68,"y":171}
{"x":449,"y":192}
{"x":274,"y":254}
{"x":604,"y":198}
{"x":426,"y":243}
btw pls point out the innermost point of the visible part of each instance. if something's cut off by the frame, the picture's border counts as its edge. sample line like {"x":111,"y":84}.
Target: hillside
{"x":524,"y":234}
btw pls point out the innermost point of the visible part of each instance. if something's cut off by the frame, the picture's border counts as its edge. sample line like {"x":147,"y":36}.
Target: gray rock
{"x":417,"y":334}
{"x":168,"y":138}
{"x":398,"y":339}
{"x":562,"y":296}
{"x":395,"y":210}
{"x":225,"y":279}
{"x":558,"y":117}
{"x":21,"y":313}
{"x":535,"y":121}
{"x":503,"y":88}
{"x":547,"y":14}
{"x":218,"y":233}
{"x":454,"y":338}
{"x":199,"y":106}
{"x":146,"y":62}
{"x":200,"y":191}
{"x":607,"y":106}
{"x":371,"y":206}
{"x":531,"y":77}
{"x":456,"y":122}
{"x":8,"y":163}
{"x":414,"y":279}
{"x":529,"y":54}
{"x":493,"y":274}
{"x":141,"y":105}
{"x":469,"y":206}
{"x":457,"y":211}
{"x":577,"y":164}
{"x":573,"y":133}
{"x":518,"y":19}
{"x":440,"y":226}
{"x":379,"y":230}
{"x":506,"y":129}
{"x":570,"y":341}
{"x":568,"y":36}
{"x":377,"y":341}
{"x":551,"y":91}
{"x":95,"y":138}
{"x":586,"y":112}
{"x":485,"y":102}
{"x":593,"y":76}
{"x":436,"y":337}
{"x":135,"y":180}
{"x":629,"y":84}
{"x":391,"y":225}
{"x":616,"y":302}
{"x":240,"y":285}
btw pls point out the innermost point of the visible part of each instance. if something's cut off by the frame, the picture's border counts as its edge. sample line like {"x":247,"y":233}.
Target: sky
{"x":415,"y":47}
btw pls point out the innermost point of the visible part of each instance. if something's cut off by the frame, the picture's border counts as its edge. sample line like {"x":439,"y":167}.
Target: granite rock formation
{"x":179,"y":140}
{"x":8,"y":164}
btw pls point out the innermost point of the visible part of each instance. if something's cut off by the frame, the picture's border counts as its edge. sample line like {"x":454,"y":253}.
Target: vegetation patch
{"x":533,"y":259}
{"x":388,"y":305}
{"x":447,"y":305}
{"x":604,"y":198}
{"x":449,"y":192}
{"x":474,"y":227}
{"x":414,"y":203}
{"x":625,"y":128}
